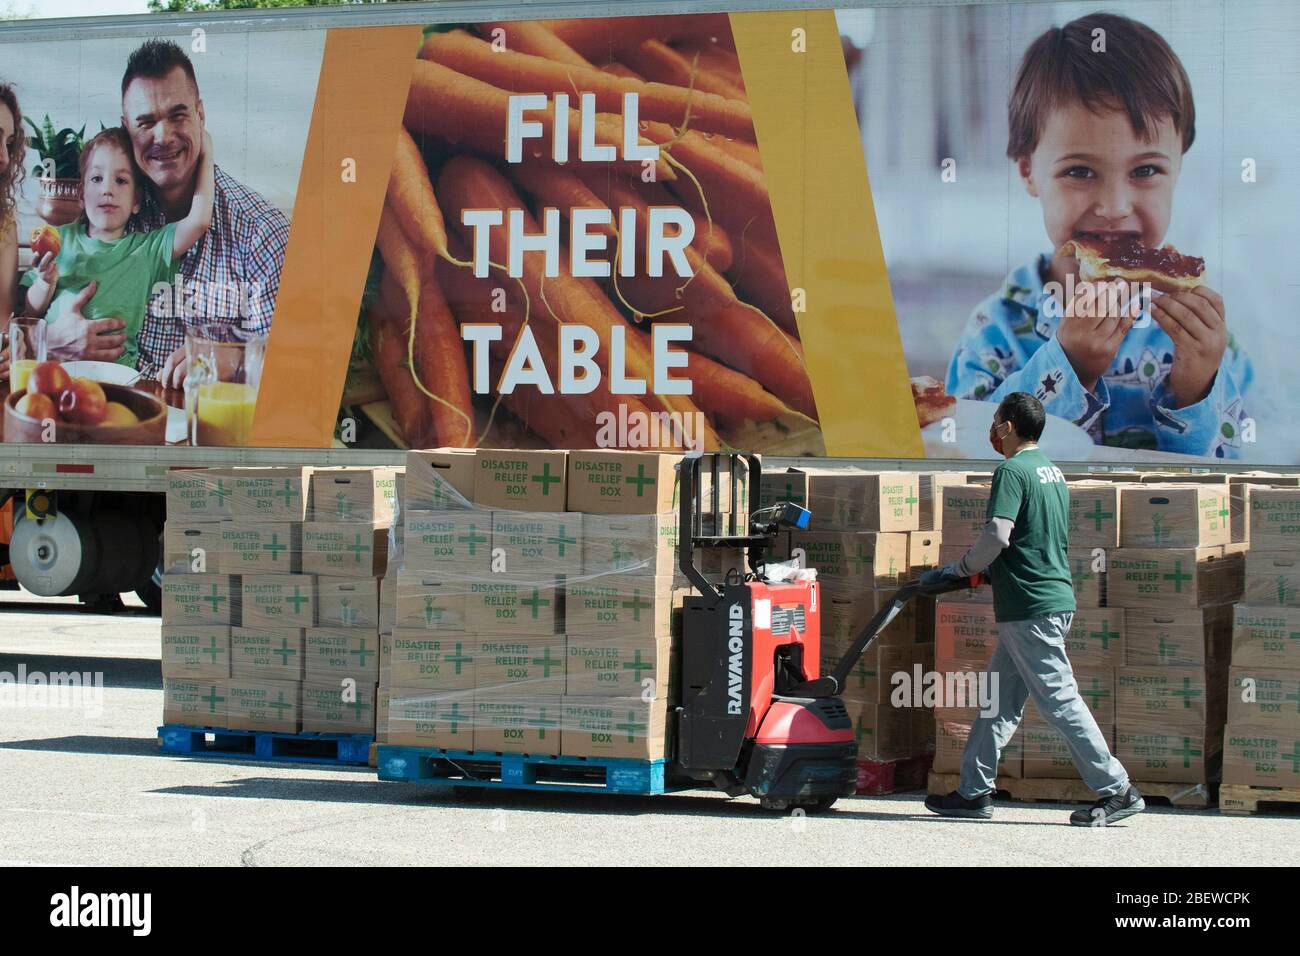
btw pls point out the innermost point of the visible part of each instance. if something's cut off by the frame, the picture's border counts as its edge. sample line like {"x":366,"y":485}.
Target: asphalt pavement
{"x":86,"y":784}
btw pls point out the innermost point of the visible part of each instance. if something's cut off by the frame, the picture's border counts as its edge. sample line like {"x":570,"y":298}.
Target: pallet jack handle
{"x":832,"y":685}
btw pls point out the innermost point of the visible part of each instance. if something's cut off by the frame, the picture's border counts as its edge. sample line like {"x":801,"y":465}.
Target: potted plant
{"x":58,"y":172}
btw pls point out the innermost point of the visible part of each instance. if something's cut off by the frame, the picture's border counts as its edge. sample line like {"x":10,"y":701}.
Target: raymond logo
{"x":736,"y":660}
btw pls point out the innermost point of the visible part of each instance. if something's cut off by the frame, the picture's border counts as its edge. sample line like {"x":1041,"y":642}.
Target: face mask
{"x":994,"y":440}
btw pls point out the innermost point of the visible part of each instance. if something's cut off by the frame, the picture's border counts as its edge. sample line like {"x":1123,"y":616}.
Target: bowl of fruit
{"x":56,"y":407}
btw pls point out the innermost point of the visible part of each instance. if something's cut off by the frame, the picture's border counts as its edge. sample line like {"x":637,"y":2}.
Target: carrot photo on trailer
{"x":729,"y":311}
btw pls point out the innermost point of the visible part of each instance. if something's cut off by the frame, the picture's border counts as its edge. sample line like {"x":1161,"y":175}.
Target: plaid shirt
{"x":231,"y":275}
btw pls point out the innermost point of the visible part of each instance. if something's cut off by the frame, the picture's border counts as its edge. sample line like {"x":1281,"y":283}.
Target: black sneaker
{"x":1110,"y":809}
{"x":955,"y":805}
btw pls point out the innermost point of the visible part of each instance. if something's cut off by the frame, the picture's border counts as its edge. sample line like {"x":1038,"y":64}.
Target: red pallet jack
{"x":756,"y":717}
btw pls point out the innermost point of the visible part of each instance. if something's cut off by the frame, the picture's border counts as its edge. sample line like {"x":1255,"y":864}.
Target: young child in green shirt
{"x":97,"y":248}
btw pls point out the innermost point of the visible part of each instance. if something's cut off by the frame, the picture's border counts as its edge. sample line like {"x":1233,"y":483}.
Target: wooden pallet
{"x":1195,"y":796}
{"x":1236,"y":799}
{"x":878,"y":777}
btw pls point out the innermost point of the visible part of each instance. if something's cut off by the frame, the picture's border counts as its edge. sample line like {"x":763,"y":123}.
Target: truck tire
{"x":151,"y":593}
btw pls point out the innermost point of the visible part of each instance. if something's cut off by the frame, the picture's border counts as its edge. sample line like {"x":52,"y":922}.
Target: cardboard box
{"x":192,"y":547}
{"x":348,"y":603}
{"x":1272,"y":578}
{"x":1275,"y":519}
{"x":520,"y":480}
{"x":1096,"y":637}
{"x":847,"y":499}
{"x":422,"y":718}
{"x":388,"y":603}
{"x":618,"y":666}
{"x":520,"y":665}
{"x":354,"y":495}
{"x":271,"y":705}
{"x":621,"y":605}
{"x":1187,"y":637}
{"x":1175,"y":516}
{"x":439,"y":479}
{"x":1266,"y":637}
{"x":200,"y":599}
{"x":1094,"y":515}
{"x":198,"y":494}
{"x":429,"y":602}
{"x":385,"y":660}
{"x":382,"y":696}
{"x":535,"y":543}
{"x":844,"y":613}
{"x":1046,"y":754}
{"x":194,"y":702}
{"x":621,"y":482}
{"x":727,"y":495}
{"x":199,"y":652}
{"x":625,"y":727}
{"x":965,"y":513}
{"x":1177,"y":755}
{"x":1164,"y":697}
{"x":330,"y":708}
{"x":1242,"y":486}
{"x":345,"y":549}
{"x":334,"y":654}
{"x":261,"y":547}
{"x":508,"y":607}
{"x":923,"y":549}
{"x":508,"y":723}
{"x":871,"y":679}
{"x":278,"y":494}
{"x":456,"y":542}
{"x":644,"y":544}
{"x":278,"y":600}
{"x":1088,"y":577}
{"x":1259,"y":759}
{"x":951,"y":731}
{"x":267,"y":653}
{"x":1160,"y":578}
{"x":1264,"y":699}
{"x":868,"y":560}
{"x":930,"y":485}
{"x":965,"y":635}
{"x":433,"y":661}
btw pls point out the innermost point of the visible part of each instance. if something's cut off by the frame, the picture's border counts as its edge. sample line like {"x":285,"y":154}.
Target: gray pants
{"x":1030,"y":661}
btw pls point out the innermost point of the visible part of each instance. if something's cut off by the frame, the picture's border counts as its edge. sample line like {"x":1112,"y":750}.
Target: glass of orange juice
{"x":26,"y":350}
{"x":224,"y":370}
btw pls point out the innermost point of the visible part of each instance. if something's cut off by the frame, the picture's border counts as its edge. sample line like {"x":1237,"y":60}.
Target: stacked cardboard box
{"x":1176,"y":576}
{"x":535,"y":606}
{"x":298,"y":553}
{"x":1262,"y":738}
{"x":865,"y":540}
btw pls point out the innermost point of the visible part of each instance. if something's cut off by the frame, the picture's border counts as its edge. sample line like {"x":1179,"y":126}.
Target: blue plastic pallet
{"x":482,"y":768}
{"x":261,"y":745}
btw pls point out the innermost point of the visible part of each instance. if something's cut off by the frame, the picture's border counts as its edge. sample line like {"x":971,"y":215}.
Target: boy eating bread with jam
{"x":1099,"y":123}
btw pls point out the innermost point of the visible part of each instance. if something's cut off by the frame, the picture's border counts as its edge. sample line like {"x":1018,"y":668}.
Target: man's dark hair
{"x":154,"y":59}
{"x":1025,"y":413}
{"x":1138,"y":73}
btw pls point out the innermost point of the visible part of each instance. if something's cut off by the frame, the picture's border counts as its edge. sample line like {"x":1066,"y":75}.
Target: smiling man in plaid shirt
{"x":232,"y":275}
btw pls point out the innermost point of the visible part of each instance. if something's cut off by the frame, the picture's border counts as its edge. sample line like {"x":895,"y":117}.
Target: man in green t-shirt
{"x":1023,"y":547}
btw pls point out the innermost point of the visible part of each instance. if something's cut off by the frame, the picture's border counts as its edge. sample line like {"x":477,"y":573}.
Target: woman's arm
{"x":191,"y":229}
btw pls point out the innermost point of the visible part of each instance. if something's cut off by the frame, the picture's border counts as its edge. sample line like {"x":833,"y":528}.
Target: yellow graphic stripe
{"x":817,"y":179}
{"x":364,"y":78}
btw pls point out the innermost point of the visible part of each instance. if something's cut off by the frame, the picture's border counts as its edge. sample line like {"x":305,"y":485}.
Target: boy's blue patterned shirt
{"x":1009,"y":345}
